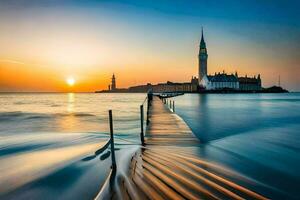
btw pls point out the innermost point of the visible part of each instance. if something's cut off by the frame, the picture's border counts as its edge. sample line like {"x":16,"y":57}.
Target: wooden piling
{"x":142,"y":124}
{"x":112,"y":147}
{"x":147,"y":114}
{"x":173,"y":106}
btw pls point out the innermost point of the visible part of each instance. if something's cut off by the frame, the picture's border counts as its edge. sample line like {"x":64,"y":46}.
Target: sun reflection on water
{"x":71,"y":100}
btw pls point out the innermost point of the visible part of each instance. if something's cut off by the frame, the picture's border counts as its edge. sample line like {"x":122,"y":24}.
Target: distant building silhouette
{"x":166,"y":87}
{"x":250,"y":83}
{"x":113,"y":82}
{"x":112,"y":88}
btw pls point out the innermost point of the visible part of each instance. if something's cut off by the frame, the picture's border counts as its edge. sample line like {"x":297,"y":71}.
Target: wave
{"x":10,"y":115}
{"x":78,"y":114}
{"x":127,"y":119}
{"x":20,"y":103}
{"x":55,"y":105}
{"x":18,"y":115}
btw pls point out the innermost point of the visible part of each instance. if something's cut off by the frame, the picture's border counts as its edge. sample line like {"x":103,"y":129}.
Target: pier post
{"x":147,"y":117}
{"x":173,"y":106}
{"x":112,"y":147}
{"x":142,"y":124}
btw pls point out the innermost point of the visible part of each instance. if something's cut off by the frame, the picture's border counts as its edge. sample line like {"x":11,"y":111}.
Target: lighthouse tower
{"x":113,"y":82}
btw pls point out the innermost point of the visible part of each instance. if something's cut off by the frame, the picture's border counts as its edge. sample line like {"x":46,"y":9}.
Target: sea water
{"x":48,"y":140}
{"x":68,"y":112}
{"x":257,"y":135}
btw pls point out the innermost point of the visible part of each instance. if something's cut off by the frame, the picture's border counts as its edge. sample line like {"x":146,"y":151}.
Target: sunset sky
{"x":44,"y":43}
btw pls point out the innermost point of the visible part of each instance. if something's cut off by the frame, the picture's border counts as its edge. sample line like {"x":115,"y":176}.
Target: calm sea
{"x":257,"y":135}
{"x":42,"y":137}
{"x":68,"y":112}
{"x":48,"y":140}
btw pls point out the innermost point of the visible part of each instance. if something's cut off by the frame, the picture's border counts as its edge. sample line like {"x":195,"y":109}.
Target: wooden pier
{"x":167,"y":166}
{"x":167,"y":128}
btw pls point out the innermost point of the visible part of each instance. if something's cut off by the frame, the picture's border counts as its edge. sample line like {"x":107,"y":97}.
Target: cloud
{"x":11,"y":61}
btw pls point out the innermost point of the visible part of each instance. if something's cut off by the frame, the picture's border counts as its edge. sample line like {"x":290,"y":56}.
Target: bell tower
{"x":202,"y":59}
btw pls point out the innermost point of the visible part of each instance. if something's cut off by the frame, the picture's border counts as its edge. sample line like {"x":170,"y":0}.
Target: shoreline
{"x":202,"y":92}
{"x":273,"y":89}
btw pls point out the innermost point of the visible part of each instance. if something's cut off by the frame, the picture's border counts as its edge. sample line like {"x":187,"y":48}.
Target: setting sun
{"x":70,"y":81}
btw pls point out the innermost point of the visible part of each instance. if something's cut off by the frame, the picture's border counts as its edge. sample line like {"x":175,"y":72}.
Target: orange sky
{"x":42,"y":46}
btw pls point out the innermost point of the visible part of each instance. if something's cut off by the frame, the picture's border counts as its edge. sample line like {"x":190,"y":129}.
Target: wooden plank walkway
{"x":168,"y":168}
{"x":167,"y":128}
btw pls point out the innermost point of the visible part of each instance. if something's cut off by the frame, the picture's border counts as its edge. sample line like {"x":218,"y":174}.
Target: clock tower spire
{"x":202,"y":58}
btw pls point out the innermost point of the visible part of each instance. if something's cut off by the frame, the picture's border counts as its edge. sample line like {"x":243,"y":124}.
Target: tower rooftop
{"x":202,"y":42}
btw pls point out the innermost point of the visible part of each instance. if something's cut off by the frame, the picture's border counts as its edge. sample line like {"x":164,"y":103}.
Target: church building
{"x":222,"y":80}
